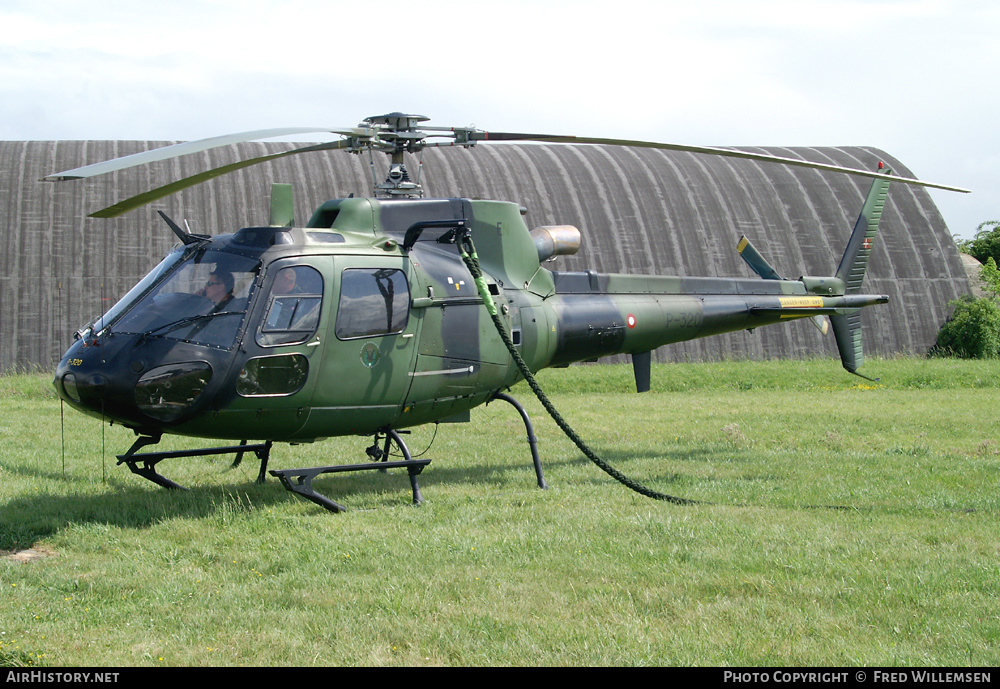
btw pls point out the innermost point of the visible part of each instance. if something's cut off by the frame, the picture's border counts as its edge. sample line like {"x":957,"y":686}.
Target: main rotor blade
{"x":172,"y":188}
{"x":709,"y":150}
{"x":188,"y":147}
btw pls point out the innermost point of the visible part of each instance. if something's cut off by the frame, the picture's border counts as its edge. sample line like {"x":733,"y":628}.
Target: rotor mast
{"x":396,"y":133}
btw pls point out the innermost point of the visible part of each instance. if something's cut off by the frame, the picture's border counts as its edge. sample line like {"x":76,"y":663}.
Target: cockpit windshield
{"x":200,"y":296}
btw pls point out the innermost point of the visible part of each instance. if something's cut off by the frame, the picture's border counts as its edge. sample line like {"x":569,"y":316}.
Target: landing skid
{"x":144,"y":464}
{"x":299,"y":481}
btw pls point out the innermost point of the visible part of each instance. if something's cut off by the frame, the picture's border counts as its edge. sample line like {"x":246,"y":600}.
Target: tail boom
{"x":590,"y":315}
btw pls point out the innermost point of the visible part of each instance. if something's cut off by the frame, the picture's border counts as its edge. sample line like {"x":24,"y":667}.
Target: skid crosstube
{"x":144,"y":464}
{"x":299,"y":481}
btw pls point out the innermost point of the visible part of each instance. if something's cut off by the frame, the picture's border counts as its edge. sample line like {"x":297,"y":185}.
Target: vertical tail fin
{"x":847,"y":330}
{"x":852,"y":268}
{"x":855,"y":260}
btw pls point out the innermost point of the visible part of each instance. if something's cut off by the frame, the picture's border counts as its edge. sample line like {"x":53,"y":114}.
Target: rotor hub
{"x":395,"y":133}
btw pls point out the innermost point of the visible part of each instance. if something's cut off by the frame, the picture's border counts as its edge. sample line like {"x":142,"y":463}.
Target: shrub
{"x":972,"y":332}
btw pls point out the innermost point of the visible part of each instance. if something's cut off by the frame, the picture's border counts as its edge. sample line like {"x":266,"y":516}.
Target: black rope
{"x":468,"y":253}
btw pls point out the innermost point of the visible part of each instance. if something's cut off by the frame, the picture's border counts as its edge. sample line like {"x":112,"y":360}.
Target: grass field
{"x":842,"y":522}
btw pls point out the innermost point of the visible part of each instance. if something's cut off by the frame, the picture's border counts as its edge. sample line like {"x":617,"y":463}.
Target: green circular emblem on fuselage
{"x":370,"y":354}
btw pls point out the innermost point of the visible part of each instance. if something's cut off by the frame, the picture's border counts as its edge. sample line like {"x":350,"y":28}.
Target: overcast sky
{"x":916,"y":78}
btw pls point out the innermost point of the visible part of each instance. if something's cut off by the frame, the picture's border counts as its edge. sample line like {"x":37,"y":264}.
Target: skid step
{"x":300,"y":480}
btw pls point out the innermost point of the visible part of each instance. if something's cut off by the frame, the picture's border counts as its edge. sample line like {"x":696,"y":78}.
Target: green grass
{"x":842,"y":522}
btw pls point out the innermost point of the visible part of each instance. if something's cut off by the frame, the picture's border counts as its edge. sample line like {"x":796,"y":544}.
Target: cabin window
{"x":373,"y":301}
{"x":273,"y":375}
{"x":293,"y":307}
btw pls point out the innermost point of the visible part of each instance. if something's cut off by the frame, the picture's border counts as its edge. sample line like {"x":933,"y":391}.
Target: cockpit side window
{"x":293,"y":307}
{"x":373,"y":301}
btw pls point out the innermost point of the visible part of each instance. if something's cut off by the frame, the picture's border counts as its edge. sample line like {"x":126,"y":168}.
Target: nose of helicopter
{"x":84,"y":387}
{"x":111,"y":380}
{"x":86,"y":378}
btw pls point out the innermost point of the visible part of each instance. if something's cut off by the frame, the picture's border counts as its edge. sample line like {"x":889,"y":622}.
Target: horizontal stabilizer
{"x":807,"y":307}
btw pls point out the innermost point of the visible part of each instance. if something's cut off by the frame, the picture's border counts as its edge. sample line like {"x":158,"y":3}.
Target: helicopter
{"x":369,"y":320}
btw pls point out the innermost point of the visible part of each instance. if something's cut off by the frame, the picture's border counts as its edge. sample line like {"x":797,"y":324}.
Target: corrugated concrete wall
{"x":640,"y":211}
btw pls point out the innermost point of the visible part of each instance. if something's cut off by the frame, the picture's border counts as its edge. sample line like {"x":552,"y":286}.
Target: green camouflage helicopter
{"x":369,"y":320}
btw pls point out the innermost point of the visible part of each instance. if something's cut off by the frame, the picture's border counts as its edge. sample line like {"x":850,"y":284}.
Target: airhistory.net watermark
{"x":48,"y":677}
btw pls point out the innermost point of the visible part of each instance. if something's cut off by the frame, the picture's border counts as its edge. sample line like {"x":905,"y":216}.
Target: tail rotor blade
{"x":821,"y":324}
{"x":755,"y":260}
